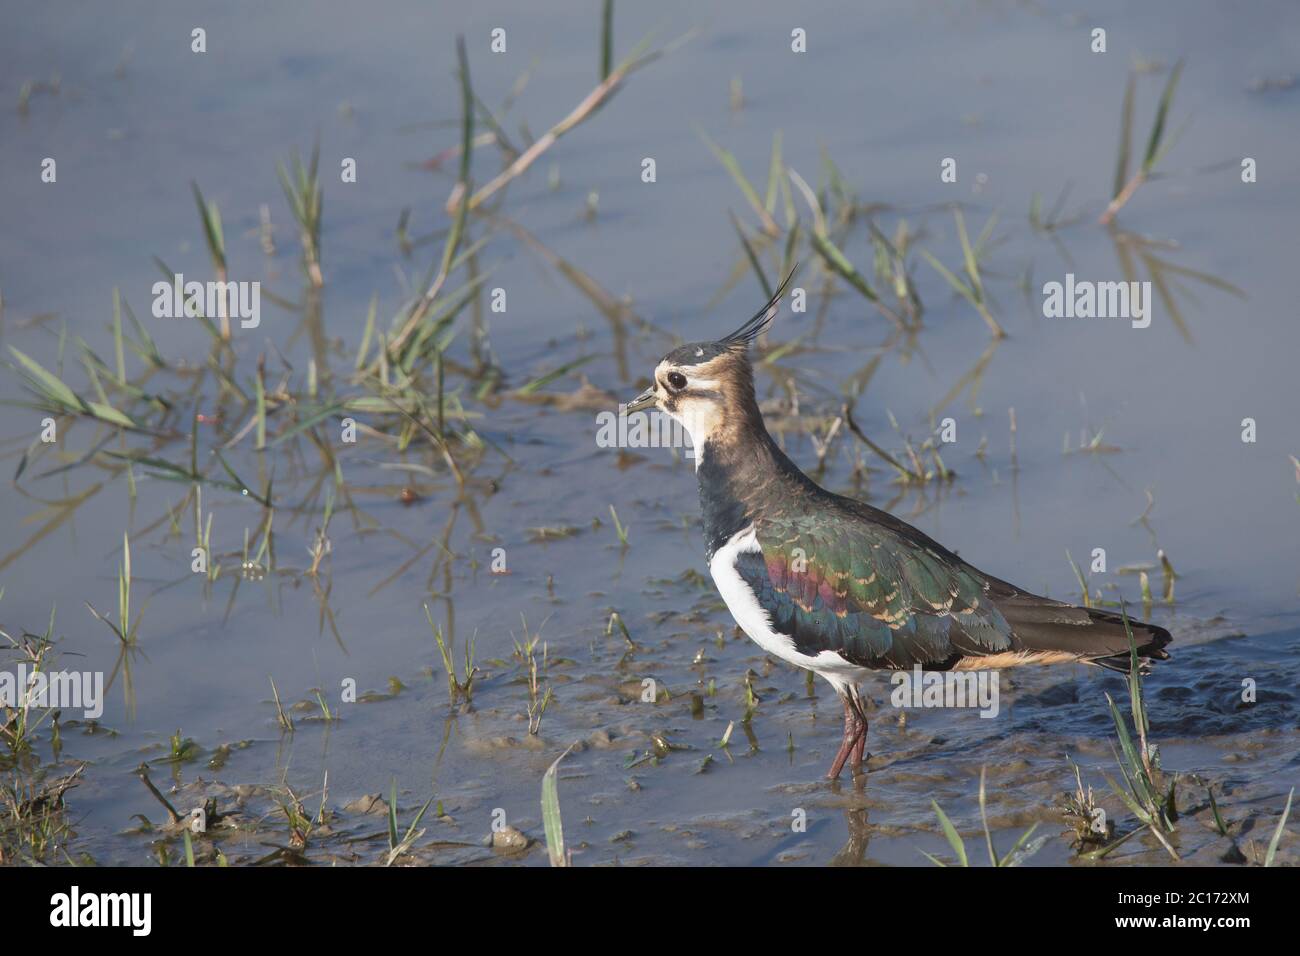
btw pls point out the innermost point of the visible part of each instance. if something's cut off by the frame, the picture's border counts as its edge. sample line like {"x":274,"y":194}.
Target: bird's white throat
{"x":702,"y":421}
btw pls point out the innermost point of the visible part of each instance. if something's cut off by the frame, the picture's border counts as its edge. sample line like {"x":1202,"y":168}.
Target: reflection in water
{"x":1138,"y":256}
{"x":854,"y":851}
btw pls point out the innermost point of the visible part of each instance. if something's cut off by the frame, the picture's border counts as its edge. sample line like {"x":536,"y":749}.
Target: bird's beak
{"x":646,"y":399}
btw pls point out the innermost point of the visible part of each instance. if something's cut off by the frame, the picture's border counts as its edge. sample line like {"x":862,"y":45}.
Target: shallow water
{"x":1011,"y":91}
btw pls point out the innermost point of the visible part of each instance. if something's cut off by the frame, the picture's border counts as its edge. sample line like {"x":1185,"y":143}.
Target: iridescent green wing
{"x":881,"y":594}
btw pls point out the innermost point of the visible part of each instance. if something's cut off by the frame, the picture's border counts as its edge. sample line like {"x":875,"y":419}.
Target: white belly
{"x":757,"y":623}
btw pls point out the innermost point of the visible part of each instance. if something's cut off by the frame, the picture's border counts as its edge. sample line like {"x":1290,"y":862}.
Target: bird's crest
{"x":738,"y":341}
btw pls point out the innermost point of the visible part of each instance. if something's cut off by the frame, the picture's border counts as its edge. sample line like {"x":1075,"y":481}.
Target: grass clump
{"x":1145,"y":792}
{"x":459,"y":688}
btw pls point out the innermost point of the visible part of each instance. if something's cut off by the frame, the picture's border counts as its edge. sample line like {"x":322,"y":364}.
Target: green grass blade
{"x":1127,"y":798}
{"x":1162,"y":115}
{"x":1218,"y":817}
{"x":606,"y":39}
{"x":212,"y":233}
{"x":1125,"y":139}
{"x":47,"y":381}
{"x":392,"y":816}
{"x":839,"y":264}
{"x":1015,"y":856}
{"x":958,"y":286}
{"x":549,"y":377}
{"x":950,"y":831}
{"x":1277,"y":834}
{"x":1104,"y":851}
{"x":730,"y":163}
{"x":1139,"y":778}
{"x":969,"y":260}
{"x":551,"y":820}
{"x":988,"y":836}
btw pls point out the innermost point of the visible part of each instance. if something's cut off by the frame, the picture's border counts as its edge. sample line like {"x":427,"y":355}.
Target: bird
{"x":833,"y":585}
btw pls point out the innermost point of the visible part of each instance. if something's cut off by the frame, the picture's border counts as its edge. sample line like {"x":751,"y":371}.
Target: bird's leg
{"x":859,"y":733}
{"x":851,"y":738}
{"x":859,"y":751}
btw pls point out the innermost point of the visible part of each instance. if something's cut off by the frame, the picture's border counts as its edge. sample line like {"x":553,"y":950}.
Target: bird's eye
{"x":677,"y":380}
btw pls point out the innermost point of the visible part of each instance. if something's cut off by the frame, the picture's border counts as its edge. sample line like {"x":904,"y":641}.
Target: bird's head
{"x":708,"y":387}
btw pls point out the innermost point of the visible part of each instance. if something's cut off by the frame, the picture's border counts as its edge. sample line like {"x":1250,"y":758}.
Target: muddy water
{"x":1013,"y":94}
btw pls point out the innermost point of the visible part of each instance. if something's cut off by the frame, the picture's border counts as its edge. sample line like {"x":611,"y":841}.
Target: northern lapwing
{"x":836,"y":586}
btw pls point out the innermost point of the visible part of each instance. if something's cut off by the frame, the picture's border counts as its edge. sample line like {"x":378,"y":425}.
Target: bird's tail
{"x":1148,"y":639}
{"x":1091,"y":635}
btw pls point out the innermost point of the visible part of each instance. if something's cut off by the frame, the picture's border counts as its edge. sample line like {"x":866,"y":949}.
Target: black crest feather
{"x":739,"y":340}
